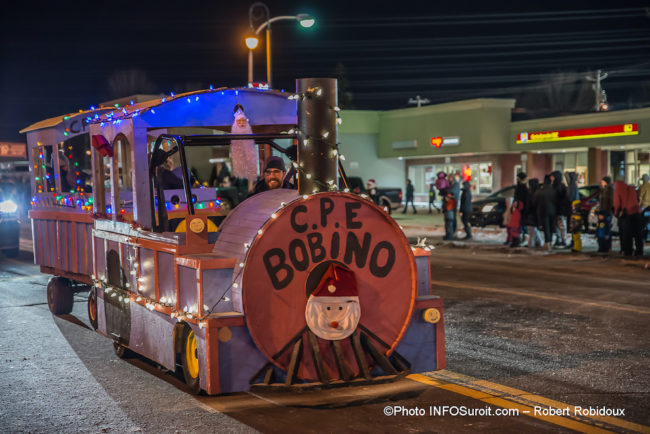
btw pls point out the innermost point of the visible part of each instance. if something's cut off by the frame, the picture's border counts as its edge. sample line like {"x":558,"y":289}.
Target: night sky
{"x":58,"y":57}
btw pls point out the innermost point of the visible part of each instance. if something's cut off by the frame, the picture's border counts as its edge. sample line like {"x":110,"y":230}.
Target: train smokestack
{"x":317,"y":115}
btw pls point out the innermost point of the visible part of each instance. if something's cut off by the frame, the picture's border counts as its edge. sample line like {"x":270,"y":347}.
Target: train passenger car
{"x":311,"y":286}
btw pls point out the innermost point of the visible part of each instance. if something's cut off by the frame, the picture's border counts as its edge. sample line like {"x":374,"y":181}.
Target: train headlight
{"x":431,"y":315}
{"x":8,"y":206}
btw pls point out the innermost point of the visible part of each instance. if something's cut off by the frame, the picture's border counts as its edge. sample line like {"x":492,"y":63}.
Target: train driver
{"x":273,"y":176}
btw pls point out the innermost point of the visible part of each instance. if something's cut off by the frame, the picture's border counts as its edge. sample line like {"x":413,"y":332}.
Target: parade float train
{"x":314,"y":286}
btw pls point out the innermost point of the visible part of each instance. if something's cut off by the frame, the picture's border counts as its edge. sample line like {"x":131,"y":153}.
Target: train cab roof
{"x":202,"y":108}
{"x":211,"y":108}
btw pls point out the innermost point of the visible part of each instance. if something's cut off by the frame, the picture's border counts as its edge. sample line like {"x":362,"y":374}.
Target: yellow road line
{"x":604,"y":304}
{"x":507,"y":397}
{"x":500,"y":402}
{"x":527,"y":398}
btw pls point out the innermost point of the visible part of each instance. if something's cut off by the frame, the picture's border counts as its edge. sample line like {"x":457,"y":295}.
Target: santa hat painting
{"x":333,"y":309}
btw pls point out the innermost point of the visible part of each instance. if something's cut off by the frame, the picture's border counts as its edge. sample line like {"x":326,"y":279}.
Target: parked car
{"x":489,"y":210}
{"x":387,"y":197}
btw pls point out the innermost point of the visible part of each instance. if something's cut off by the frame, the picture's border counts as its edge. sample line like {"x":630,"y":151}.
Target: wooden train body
{"x":241,"y":305}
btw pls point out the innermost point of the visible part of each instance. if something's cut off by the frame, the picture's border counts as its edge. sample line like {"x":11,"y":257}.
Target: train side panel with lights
{"x":296,"y":287}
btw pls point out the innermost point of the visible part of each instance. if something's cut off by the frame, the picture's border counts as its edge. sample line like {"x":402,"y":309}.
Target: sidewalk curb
{"x":642,"y":262}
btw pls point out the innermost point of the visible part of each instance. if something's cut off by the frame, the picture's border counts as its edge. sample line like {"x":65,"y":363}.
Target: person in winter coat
{"x":514,"y":223}
{"x":628,"y":212}
{"x":466,"y":209}
{"x":545,"y":205}
{"x":442,"y":185}
{"x":562,"y":207}
{"x":454,"y":188}
{"x":572,"y":196}
{"x":449,"y":204}
{"x":644,"y":202}
{"x":432,"y":197}
{"x":644,"y":192}
{"x":572,"y":187}
{"x":521,"y":194}
{"x":605,"y":209}
{"x":409,"y":197}
{"x":530,"y":215}
{"x":273,"y":177}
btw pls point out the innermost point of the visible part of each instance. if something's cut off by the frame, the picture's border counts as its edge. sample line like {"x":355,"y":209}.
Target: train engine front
{"x":330,"y":289}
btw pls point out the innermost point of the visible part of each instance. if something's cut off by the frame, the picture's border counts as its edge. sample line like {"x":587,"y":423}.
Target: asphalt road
{"x":523,"y":331}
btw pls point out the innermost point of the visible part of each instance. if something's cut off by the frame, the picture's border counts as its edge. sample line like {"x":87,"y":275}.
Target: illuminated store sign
{"x":578,"y":134}
{"x":13,"y":150}
{"x":438,"y":142}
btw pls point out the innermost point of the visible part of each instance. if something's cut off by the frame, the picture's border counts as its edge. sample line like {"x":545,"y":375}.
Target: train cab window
{"x":123,"y":160}
{"x":75,"y":165}
{"x":43,"y":169}
{"x":104,"y":168}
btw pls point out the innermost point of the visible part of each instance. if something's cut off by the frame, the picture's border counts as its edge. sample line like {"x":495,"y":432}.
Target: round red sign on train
{"x":320,"y":245}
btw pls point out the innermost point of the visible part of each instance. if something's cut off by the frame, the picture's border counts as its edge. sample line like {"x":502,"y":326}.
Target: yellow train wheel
{"x":92,"y":308}
{"x":190,"y":360}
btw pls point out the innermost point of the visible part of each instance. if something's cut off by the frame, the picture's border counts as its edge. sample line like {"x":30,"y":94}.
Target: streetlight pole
{"x":266,"y":16}
{"x":304,"y":20}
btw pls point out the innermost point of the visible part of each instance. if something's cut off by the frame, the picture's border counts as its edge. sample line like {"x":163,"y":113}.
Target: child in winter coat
{"x":575,"y":225}
{"x":514,"y":223}
{"x":449,"y":205}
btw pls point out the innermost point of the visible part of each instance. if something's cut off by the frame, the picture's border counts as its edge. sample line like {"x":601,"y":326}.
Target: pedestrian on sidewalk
{"x":432,"y":197}
{"x":521,"y":194}
{"x":644,"y":202}
{"x":562,"y":207}
{"x":514,"y":223}
{"x":575,"y":226}
{"x":442,"y":185}
{"x":628,"y":212}
{"x":454,"y":188}
{"x":449,"y":204}
{"x":572,"y":196}
{"x":605,"y":210}
{"x":530,"y":215}
{"x":466,"y":209}
{"x":409,"y":197}
{"x":546,"y":210}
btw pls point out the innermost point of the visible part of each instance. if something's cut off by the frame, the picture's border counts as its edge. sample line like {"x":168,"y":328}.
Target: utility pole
{"x":599,"y":92}
{"x":419,"y":101}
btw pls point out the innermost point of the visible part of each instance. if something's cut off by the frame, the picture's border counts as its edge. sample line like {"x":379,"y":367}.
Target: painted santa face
{"x":332,"y":318}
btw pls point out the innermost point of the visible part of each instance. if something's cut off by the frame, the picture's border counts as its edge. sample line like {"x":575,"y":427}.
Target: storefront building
{"x":592,"y":145}
{"x":477,"y":140}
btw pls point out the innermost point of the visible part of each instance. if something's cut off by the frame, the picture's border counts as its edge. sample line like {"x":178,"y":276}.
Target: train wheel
{"x":59,"y":296}
{"x":190,"y":360}
{"x":92,"y":308}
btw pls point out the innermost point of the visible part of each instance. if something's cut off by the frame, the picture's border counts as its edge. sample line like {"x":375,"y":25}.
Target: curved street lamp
{"x":252,"y":39}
